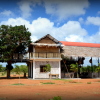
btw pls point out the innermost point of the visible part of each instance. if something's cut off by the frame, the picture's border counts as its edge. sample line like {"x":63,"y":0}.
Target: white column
{"x":59,"y":71}
{"x":33,"y":69}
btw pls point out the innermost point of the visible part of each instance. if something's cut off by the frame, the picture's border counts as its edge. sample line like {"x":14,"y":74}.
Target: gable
{"x":48,"y":39}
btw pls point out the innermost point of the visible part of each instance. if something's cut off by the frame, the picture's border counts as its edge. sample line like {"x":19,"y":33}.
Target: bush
{"x":56,"y":98}
{"x":88,"y":82}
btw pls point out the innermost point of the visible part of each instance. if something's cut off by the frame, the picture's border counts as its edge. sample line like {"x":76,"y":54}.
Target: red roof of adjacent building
{"x":80,"y":44}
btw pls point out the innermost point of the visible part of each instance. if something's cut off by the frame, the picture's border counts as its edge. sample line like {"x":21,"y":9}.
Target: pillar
{"x":33,"y":69}
{"x":59,"y":70}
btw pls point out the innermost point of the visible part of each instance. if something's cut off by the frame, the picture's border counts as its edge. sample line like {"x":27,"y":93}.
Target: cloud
{"x":74,"y":38}
{"x":17,"y":21}
{"x":95,"y":37}
{"x":93,"y":20}
{"x":6,"y":13}
{"x":26,"y":7}
{"x":60,"y":8}
{"x":70,"y":31}
{"x":98,"y":12}
{"x":81,"y":20}
{"x":66,"y":8}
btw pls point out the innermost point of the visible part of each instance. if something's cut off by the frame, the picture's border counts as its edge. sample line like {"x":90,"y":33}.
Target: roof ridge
{"x":49,"y":36}
{"x":81,"y":44}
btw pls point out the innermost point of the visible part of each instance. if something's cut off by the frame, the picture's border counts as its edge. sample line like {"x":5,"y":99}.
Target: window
{"x":42,"y":68}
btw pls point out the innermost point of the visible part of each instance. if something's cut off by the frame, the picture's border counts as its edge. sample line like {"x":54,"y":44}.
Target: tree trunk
{"x":24,"y":75}
{"x":9,"y":67}
{"x":8,"y":73}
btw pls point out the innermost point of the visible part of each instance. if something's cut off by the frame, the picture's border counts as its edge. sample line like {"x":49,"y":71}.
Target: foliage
{"x":89,"y":68}
{"x":47,"y":68}
{"x":23,"y":68}
{"x":88,"y":82}
{"x":17,"y":69}
{"x":56,"y":98}
{"x":2,"y":69}
{"x":18,"y":84}
{"x":2,"y":73}
{"x":13,"y":39}
{"x":74,"y":67}
{"x":86,"y":69}
{"x":49,"y":83}
{"x":66,"y":62}
{"x":98,"y":68}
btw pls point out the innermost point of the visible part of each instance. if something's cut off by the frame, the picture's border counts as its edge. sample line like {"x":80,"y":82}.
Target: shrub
{"x":88,"y":82}
{"x":48,"y":83}
{"x":56,"y":98}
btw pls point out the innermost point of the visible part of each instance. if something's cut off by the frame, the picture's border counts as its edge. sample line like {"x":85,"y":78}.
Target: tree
{"x":74,"y":68}
{"x":13,"y":39}
{"x":0,"y":68}
{"x":65,"y":64}
{"x":17,"y":70}
{"x":24,"y":69}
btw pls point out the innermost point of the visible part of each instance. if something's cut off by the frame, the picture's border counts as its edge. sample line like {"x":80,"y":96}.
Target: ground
{"x":67,"y":89}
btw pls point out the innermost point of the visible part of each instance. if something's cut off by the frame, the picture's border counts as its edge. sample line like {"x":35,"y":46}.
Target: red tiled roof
{"x":80,"y":44}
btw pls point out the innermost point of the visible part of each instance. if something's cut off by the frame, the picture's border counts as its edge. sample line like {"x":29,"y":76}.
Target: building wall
{"x":47,"y":49}
{"x":47,"y":41}
{"x":54,"y":69}
{"x":81,"y":51}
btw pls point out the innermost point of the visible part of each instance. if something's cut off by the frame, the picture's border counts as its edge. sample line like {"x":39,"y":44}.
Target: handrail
{"x":45,"y":55}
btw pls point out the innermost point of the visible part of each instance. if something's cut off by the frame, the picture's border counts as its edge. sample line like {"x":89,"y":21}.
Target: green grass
{"x":18,"y":84}
{"x":67,"y":80}
{"x":56,"y":98}
{"x":3,"y":98}
{"x":64,"y":79}
{"x":48,"y":83}
{"x":88,"y":82}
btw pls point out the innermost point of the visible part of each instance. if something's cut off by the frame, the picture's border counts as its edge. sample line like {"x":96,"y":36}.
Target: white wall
{"x":54,"y":69}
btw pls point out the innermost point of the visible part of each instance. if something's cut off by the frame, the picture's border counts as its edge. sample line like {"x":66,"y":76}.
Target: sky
{"x":65,"y":20}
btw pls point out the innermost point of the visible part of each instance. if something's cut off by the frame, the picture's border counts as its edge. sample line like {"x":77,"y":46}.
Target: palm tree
{"x":74,"y":68}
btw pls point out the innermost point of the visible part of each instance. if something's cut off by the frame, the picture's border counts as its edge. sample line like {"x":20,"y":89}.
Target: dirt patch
{"x":74,"y":89}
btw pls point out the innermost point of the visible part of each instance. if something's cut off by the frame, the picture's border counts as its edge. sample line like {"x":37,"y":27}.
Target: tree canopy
{"x":13,"y":39}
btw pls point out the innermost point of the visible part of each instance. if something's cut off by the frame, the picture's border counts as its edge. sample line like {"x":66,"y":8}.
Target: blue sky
{"x":66,"y":20}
